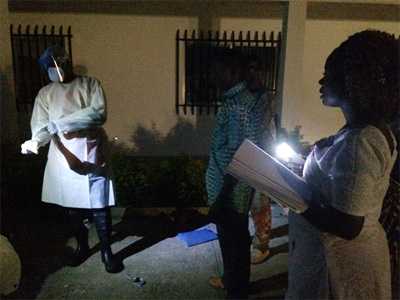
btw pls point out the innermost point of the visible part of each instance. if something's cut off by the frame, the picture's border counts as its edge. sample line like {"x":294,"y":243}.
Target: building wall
{"x":8,"y":112}
{"x":134,"y":57}
{"x":252,"y":24}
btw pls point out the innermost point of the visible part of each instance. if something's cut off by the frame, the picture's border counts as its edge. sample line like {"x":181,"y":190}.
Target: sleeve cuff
{"x":52,"y":127}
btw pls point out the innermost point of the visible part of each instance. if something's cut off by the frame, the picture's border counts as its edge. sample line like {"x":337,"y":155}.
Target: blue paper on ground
{"x":197,"y":237}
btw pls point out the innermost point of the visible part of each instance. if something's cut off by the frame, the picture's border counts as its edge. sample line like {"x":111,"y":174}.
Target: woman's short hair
{"x":368,"y":64}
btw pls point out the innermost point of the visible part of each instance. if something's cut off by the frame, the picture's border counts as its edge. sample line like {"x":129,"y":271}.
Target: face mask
{"x":54,"y":75}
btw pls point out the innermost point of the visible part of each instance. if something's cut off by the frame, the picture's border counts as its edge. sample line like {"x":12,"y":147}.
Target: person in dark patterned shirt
{"x":240,"y":117}
{"x":260,"y":210}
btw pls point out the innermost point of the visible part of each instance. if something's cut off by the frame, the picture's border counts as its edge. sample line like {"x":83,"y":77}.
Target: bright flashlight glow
{"x":284,"y":152}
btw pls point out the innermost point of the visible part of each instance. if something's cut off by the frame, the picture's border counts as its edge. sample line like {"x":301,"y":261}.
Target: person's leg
{"x":234,"y":240}
{"x":241,"y":258}
{"x":80,"y":232}
{"x":102,"y":220}
{"x":261,"y":215}
{"x":225,"y":246}
{"x":394,"y":246}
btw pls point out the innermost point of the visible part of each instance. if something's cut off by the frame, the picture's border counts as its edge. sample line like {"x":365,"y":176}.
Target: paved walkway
{"x":169,"y":268}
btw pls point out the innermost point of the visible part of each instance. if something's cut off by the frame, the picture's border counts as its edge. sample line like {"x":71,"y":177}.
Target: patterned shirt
{"x":240,"y":117}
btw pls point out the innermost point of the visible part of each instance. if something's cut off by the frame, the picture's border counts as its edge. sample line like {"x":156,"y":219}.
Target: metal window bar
{"x":26,"y":46}
{"x":195,"y":90}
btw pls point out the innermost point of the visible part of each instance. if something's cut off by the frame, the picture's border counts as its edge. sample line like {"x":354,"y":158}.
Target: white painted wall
{"x":134,"y":57}
{"x":8,"y":116}
{"x":290,"y":84}
{"x":245,"y":24}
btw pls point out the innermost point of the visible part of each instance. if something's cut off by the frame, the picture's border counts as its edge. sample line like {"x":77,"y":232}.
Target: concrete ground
{"x":150,"y":250}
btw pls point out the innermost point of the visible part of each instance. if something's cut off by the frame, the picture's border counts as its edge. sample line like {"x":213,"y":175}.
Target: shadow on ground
{"x":43,"y":234}
{"x":275,"y":282}
{"x":39,"y":239}
{"x":154,"y":229}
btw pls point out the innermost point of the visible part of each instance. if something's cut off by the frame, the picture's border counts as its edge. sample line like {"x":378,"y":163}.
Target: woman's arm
{"x":94,"y":115}
{"x":333,"y":221}
{"x":40,"y":120}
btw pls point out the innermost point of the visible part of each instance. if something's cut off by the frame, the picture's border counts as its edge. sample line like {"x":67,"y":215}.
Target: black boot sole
{"x":115,"y":268}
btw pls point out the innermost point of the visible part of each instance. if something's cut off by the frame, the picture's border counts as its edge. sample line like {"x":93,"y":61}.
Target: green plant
{"x":150,"y":181}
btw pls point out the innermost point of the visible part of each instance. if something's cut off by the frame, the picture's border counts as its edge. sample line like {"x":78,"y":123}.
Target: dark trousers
{"x":234,"y":240}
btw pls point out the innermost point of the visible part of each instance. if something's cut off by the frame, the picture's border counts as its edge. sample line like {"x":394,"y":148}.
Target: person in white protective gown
{"x":69,"y":113}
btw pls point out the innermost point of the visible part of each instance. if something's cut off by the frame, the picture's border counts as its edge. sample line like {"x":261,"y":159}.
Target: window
{"x":195,"y":87}
{"x":27,"y":46}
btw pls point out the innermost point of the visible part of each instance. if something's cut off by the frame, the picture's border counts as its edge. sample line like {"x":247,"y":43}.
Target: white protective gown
{"x":70,"y":107}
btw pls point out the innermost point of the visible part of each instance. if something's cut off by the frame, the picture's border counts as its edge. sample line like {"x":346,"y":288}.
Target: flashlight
{"x":290,"y":158}
{"x":284,"y":152}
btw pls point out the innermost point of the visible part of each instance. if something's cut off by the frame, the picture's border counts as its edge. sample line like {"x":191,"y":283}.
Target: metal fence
{"x":195,"y":88}
{"x":27,"y":45}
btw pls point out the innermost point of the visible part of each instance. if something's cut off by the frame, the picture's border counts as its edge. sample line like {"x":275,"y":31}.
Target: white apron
{"x":67,"y":188}
{"x":72,"y":107}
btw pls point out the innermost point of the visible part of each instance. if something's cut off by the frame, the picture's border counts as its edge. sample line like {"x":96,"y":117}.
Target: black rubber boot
{"x":102,"y":219}
{"x":80,"y":232}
